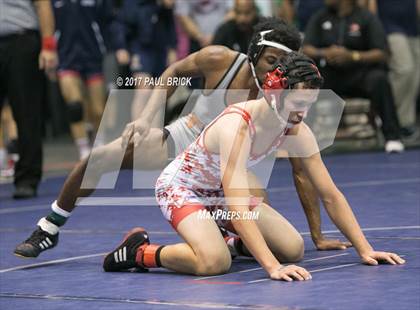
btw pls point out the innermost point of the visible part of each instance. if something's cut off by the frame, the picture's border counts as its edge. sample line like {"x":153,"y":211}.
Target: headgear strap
{"x":280,"y":46}
{"x":263,"y":42}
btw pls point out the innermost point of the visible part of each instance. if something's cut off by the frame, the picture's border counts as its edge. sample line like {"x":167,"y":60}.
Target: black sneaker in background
{"x":411,"y":133}
{"x":24,"y":192}
{"x":38,"y":242}
{"x":12,"y":147}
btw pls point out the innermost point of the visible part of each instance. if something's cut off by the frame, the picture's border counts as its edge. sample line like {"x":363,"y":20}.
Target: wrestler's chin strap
{"x":273,"y":104}
{"x":254,"y":74}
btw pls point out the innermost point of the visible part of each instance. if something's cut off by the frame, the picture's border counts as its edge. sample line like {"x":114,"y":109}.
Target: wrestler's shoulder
{"x":216,"y":56}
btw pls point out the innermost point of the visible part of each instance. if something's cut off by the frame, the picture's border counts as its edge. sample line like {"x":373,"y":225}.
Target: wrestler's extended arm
{"x":198,"y":64}
{"x":202,"y":63}
{"x":310,"y":202}
{"x":234,"y":147}
{"x":336,"y":204}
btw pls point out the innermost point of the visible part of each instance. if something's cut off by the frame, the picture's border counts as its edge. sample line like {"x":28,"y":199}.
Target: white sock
{"x":47,"y":226}
{"x":84,"y":147}
{"x":82,"y":142}
{"x":58,"y":210}
{"x":89,"y":126}
{"x":99,"y":140}
{"x":3,"y":156}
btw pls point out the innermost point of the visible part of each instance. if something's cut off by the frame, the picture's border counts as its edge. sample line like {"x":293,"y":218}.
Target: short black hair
{"x":299,"y":68}
{"x":282,"y":33}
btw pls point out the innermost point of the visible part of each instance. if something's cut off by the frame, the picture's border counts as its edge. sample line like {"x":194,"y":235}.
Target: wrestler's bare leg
{"x":204,"y":251}
{"x":151,"y":154}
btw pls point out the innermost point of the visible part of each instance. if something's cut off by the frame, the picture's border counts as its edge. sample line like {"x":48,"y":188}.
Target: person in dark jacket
{"x":349,"y":44}
{"x":237,"y":32}
{"x":144,"y":38}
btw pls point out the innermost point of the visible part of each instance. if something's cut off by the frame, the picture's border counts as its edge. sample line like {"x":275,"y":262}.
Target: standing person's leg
{"x":96,"y":91}
{"x":6,"y":129}
{"x":378,"y":90}
{"x":404,"y":76}
{"x":9,"y":154}
{"x":3,"y":78}
{"x":3,"y":153}
{"x":9,"y":123}
{"x":374,"y":85}
{"x":141,"y":67}
{"x":25,"y":88}
{"x":415,"y":49}
{"x":95,"y":86}
{"x":71,"y":89}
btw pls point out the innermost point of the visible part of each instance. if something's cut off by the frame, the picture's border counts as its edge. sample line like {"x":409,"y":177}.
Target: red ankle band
{"x":139,"y":254}
{"x":149,"y":259}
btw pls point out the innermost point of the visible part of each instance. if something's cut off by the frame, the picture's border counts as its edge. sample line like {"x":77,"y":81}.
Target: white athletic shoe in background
{"x":84,"y":152}
{"x":7,"y":165}
{"x":84,"y":147}
{"x":394,"y":146}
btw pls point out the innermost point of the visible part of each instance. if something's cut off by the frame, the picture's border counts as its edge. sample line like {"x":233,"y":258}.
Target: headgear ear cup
{"x":275,"y":80}
{"x":287,"y":72}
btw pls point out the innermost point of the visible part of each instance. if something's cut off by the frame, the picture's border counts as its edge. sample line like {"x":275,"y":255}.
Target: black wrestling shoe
{"x":24,"y":192}
{"x":124,"y":257}
{"x":38,"y":242}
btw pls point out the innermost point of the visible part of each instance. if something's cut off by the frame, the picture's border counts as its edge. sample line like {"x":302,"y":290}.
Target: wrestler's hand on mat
{"x":290,"y":273}
{"x":136,"y":132}
{"x":325,"y":244}
{"x":375,"y":257}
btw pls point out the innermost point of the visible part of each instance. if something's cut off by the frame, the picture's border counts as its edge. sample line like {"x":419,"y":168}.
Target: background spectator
{"x":144,"y":35}
{"x":22,"y":25}
{"x":135,"y":31}
{"x":81,"y":48}
{"x":400,"y":20}
{"x":237,"y":32}
{"x":200,"y":19}
{"x":349,"y":44}
{"x":298,"y":11}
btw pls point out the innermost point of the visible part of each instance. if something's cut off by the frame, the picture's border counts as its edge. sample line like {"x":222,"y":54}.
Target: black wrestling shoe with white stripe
{"x":38,"y":242}
{"x":124,"y":257}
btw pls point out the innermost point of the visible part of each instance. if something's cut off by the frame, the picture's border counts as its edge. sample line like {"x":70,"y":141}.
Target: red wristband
{"x":49,"y":43}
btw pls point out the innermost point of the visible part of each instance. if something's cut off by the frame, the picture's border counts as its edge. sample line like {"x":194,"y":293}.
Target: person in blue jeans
{"x":400,"y":21}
